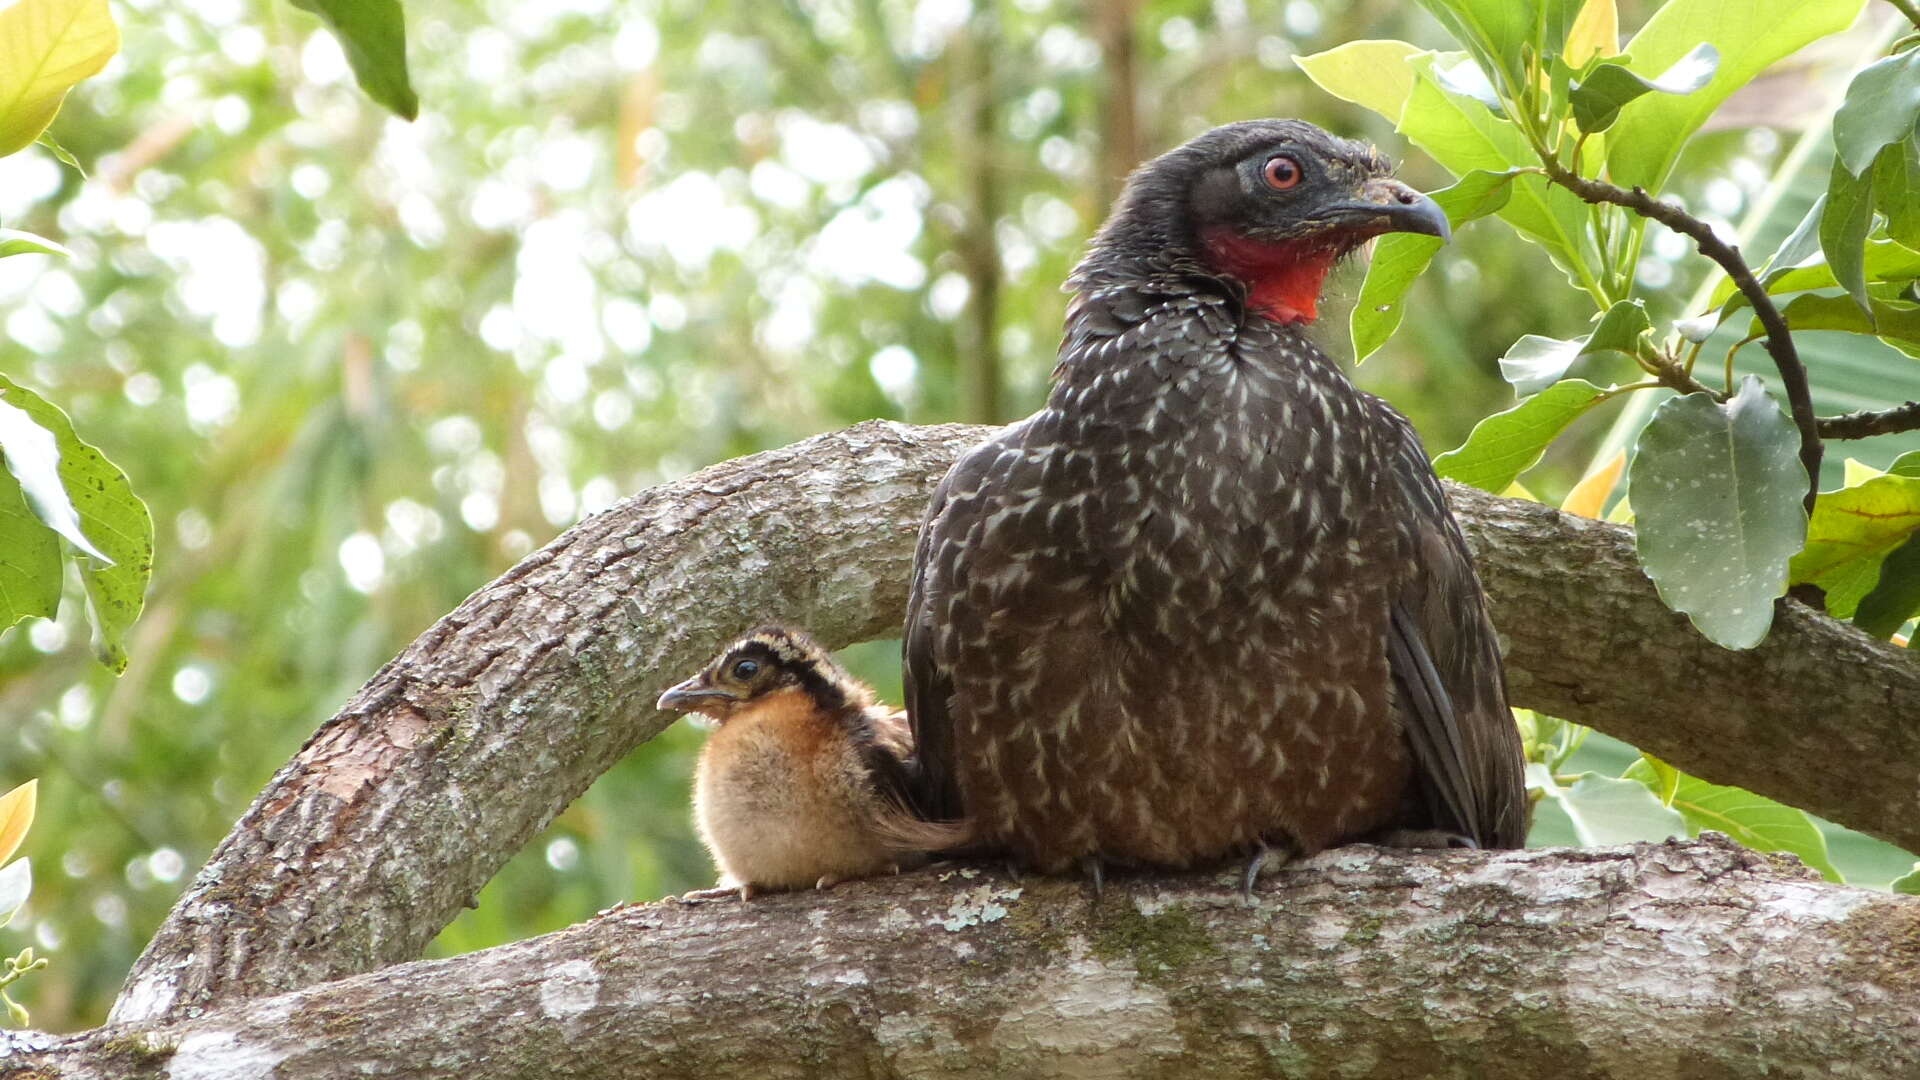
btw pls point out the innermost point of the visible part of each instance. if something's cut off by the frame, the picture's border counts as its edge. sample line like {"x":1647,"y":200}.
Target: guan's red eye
{"x":1280,"y":172}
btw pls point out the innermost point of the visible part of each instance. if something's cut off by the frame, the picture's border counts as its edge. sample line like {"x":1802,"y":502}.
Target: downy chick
{"x":805,"y":780}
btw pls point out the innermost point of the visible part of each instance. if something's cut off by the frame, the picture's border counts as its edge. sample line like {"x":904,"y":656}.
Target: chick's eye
{"x":1280,"y":172}
{"x":746,"y":669}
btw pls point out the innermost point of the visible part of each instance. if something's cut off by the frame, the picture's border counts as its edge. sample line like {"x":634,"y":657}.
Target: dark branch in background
{"x":976,"y":133}
{"x":1793,"y":373}
{"x":1120,"y":126}
{"x":1909,"y":9}
{"x":1865,"y":425}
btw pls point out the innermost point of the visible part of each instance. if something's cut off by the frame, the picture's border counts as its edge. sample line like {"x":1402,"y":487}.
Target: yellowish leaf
{"x":1518,"y":490}
{"x":1589,"y":497}
{"x":16,"y":814}
{"x":1859,"y":472}
{"x":45,"y":47}
{"x":1595,"y":32}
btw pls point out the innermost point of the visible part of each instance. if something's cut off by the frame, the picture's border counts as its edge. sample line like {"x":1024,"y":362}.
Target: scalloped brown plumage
{"x":1210,"y":600}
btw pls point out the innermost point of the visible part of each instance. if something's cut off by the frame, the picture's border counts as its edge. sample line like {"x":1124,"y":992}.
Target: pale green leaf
{"x":16,"y":884}
{"x":1463,"y":136}
{"x":15,"y":242}
{"x":1534,"y":363}
{"x":1749,"y":34}
{"x":112,"y":517}
{"x":1506,"y":444}
{"x":1897,"y":324}
{"x":1598,"y":99}
{"x":30,"y":567}
{"x":33,"y":457}
{"x":1882,"y":103}
{"x":1753,"y":820}
{"x":1908,"y":883}
{"x":1606,"y":810}
{"x":1717,"y":492}
{"x":1843,"y":229}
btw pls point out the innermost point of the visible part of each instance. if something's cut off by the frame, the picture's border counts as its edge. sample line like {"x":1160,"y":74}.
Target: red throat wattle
{"x":1283,"y":278}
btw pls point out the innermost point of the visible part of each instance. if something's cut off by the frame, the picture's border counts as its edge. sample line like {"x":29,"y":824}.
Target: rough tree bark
{"x":465,"y":745}
{"x":1683,"y":959}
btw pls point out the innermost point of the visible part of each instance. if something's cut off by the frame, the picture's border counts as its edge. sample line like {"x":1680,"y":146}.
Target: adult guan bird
{"x":1210,"y":600}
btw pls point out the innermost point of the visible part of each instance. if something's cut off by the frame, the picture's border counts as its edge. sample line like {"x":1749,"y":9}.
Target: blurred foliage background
{"x":358,"y":367}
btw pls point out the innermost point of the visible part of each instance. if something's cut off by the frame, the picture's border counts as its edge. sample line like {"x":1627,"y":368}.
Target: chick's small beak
{"x":1386,"y":205}
{"x":689,"y":696}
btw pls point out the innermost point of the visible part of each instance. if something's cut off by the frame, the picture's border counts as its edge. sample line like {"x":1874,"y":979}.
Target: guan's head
{"x":1271,"y":204}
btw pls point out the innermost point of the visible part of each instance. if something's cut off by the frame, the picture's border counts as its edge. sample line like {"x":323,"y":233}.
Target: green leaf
{"x":1749,"y":34}
{"x":1498,"y":33}
{"x":1907,"y":464}
{"x":1662,"y":778}
{"x":1372,"y":74}
{"x":1852,"y":532}
{"x":15,"y":242}
{"x":1605,"y":810}
{"x":1717,"y":492}
{"x":1882,"y":103}
{"x":1753,"y":820}
{"x":1598,"y":99}
{"x":1895,"y":597}
{"x":1908,"y":883}
{"x":111,"y":516}
{"x":1464,"y":136}
{"x":373,"y":33}
{"x":1885,"y":261}
{"x":1896,"y":190}
{"x":1534,"y":363}
{"x":1399,"y":258}
{"x":34,"y":460}
{"x":1897,"y":324}
{"x":30,"y":568}
{"x":60,"y":153}
{"x":1621,"y":329}
{"x":46,"y":46}
{"x":1506,"y":444}
{"x":1843,"y":229}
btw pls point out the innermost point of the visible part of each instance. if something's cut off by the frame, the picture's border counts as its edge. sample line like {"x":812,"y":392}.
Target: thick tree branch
{"x":1793,"y":373}
{"x":1682,"y":959}
{"x":465,"y":745}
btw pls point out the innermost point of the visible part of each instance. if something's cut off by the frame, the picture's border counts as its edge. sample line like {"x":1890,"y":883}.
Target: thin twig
{"x":1908,"y":8}
{"x":1793,"y":373}
{"x":1863,"y":425}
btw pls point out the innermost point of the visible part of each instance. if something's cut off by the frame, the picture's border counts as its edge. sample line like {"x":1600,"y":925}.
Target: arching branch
{"x":1681,"y":959}
{"x":468,"y":743}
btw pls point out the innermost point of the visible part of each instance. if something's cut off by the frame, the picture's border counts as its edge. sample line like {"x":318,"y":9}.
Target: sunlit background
{"x":357,"y":367}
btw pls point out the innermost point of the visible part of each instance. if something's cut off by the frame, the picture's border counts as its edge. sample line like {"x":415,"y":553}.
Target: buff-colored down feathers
{"x":803,"y":782}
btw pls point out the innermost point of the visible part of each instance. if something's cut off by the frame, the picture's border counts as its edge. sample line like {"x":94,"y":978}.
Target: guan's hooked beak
{"x":1384,"y":205}
{"x":691,"y":695}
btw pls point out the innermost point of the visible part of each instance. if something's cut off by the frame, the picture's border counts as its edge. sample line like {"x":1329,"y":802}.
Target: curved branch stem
{"x":1793,"y":373}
